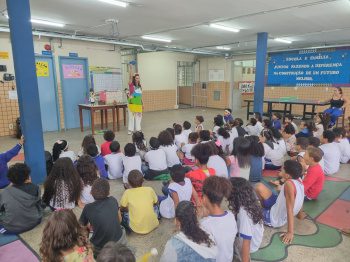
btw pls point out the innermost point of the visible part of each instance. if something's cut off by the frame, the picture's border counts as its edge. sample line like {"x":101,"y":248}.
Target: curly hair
{"x":243,"y":195}
{"x":114,"y":251}
{"x":87,"y":169}
{"x":215,"y":188}
{"x":108,"y":135}
{"x":138,"y":139}
{"x":165,"y":138}
{"x":18,"y":173}
{"x":185,"y":213}
{"x":63,"y":178}
{"x":219,"y":120}
{"x":88,"y":139}
{"x":62,"y":232}
{"x":100,"y":189}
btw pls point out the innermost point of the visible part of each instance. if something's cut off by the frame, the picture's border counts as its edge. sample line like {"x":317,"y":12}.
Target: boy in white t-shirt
{"x":131,"y":161}
{"x":343,"y":143}
{"x":331,"y":153}
{"x":219,"y":223}
{"x":186,"y":129}
{"x":156,"y":159}
{"x":179,"y":137}
{"x":114,"y":161}
{"x":187,"y":148}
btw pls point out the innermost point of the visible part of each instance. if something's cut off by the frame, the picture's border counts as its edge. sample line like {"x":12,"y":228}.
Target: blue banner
{"x":310,"y":67}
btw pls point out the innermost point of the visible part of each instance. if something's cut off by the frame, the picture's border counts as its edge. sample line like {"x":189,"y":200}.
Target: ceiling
{"x":307,"y":23}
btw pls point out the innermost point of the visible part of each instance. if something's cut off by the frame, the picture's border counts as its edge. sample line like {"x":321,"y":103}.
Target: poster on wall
{"x":73,"y":71}
{"x":42,"y":69}
{"x":216,"y":75}
{"x":4,"y":55}
{"x":309,"y":67}
{"x":246,"y":87}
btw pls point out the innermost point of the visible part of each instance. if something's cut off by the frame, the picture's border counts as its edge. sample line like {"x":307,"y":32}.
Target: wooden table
{"x":124,"y":107}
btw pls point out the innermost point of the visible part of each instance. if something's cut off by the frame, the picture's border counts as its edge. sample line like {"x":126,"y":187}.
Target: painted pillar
{"x":27,"y":86}
{"x":261,"y":52}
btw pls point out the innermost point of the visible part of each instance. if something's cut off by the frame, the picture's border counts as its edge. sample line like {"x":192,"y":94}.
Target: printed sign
{"x":73,"y":71}
{"x":46,"y":52}
{"x":73,"y":54}
{"x":4,"y":55}
{"x":246,"y":87}
{"x":42,"y":69}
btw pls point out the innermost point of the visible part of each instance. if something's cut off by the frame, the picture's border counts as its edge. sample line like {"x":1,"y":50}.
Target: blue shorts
{"x":266,"y":217}
{"x":268,"y":203}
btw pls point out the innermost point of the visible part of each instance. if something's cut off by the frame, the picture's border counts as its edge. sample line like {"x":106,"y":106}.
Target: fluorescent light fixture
{"x":283,"y":40}
{"x":44,"y":22}
{"x":114,"y":2}
{"x":156,"y":39}
{"x":223,"y":48}
{"x":226,"y":28}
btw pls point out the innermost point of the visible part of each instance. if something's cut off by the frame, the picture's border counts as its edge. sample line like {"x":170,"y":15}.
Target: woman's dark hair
{"x":154,"y":143}
{"x":100,"y":189}
{"x":339,"y":131}
{"x":57,"y":149}
{"x":134,"y":80}
{"x":276,"y":133}
{"x":115,"y":252}
{"x":114,"y":146}
{"x":130,"y":150}
{"x":223,"y":132}
{"x":92,"y":150}
{"x":186,"y":214}
{"x":293,"y":168}
{"x":253,"y":121}
{"x":267,"y":123}
{"x":137,"y":139}
{"x":329,"y":135}
{"x":18,"y":173}
{"x":109,"y":135}
{"x":62,"y":232}
{"x":256,"y":148}
{"x":87,"y":169}
{"x":218,"y":120}
{"x":200,"y":119}
{"x":63,"y":177}
{"x":257,"y":116}
{"x":241,"y":150}
{"x":204,"y":135}
{"x":177,"y":173}
{"x":193,"y":137}
{"x":201,"y":152}
{"x":165,"y":138}
{"x":177,"y":129}
{"x":88,"y":139}
{"x":238,"y":122}
{"x":289,"y":129}
{"x":171,"y":131}
{"x":243,"y":195}
{"x":216,"y":188}
{"x":135,"y":178}
{"x":186,"y":125}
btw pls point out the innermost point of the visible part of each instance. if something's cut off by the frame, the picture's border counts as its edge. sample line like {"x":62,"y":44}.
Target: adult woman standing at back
{"x":338,"y":102}
{"x":134,"y":102}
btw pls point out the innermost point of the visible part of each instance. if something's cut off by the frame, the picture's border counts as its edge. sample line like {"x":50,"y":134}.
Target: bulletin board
{"x":216,"y":75}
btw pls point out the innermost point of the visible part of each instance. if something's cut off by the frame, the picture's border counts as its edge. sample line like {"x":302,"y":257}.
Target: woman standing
{"x":134,"y":102}
{"x":338,"y":102}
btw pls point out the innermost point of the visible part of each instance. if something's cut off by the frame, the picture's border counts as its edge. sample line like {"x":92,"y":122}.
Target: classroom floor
{"x":317,"y":238}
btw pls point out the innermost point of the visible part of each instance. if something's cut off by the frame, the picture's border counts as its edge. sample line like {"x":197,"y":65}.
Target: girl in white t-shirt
{"x":343,"y":143}
{"x":225,"y":139}
{"x":240,"y":158}
{"x":274,"y":153}
{"x":88,"y":172}
{"x":156,"y":160}
{"x":140,"y":143}
{"x":187,"y":148}
{"x":322,"y":122}
{"x":218,"y":160}
{"x":186,"y":130}
{"x":247,"y":209}
{"x":167,"y":144}
{"x":252,"y":128}
{"x":60,"y":149}
{"x":131,"y":161}
{"x":179,"y":189}
{"x":180,"y":139}
{"x":199,"y":123}
{"x":218,"y":123}
{"x":114,"y":161}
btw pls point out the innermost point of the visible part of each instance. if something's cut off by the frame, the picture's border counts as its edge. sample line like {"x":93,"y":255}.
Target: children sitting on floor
{"x":301,"y":145}
{"x":343,"y":143}
{"x":276,"y":120}
{"x":62,"y":188}
{"x":88,"y":173}
{"x":201,"y":153}
{"x":204,"y":136}
{"x":179,"y":137}
{"x":140,"y":143}
{"x":187,"y":148}
{"x":306,"y":129}
{"x":131,"y":161}
{"x":186,"y":130}
{"x":20,"y":203}
{"x":167,"y":144}
{"x":179,"y":189}
{"x":227,"y":115}
{"x":238,"y":124}
{"x":240,"y":158}
{"x":98,"y":159}
{"x":218,"y":159}
{"x":60,"y":149}
{"x":103,"y":217}
{"x":218,"y":123}
{"x":252,"y":128}
{"x":223,"y":136}
{"x":315,"y":142}
{"x":273,"y":152}
{"x":288,"y":134}
{"x":321,"y":123}
{"x":219,"y":223}
{"x":4,"y":159}
{"x":64,"y":239}
{"x":88,"y":139}
{"x":246,"y":208}
{"x":138,"y":204}
{"x":199,"y":123}
{"x":331,"y":153}
{"x":108,"y":137}
{"x":156,"y":159}
{"x":114,"y":161}
{"x":256,"y":159}
{"x":259,"y":124}
{"x":288,"y":119}
{"x":281,"y":209}
{"x":192,"y":243}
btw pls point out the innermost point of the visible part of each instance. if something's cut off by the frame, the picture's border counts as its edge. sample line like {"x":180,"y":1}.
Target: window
{"x":185,"y":73}
{"x":217,"y":95}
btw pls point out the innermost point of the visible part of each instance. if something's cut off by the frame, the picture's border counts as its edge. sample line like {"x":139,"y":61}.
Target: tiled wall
{"x":205,"y":97}
{"x":8,"y":109}
{"x":155,"y":100}
{"x":185,"y":95}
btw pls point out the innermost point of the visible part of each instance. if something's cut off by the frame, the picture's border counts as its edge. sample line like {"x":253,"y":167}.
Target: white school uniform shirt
{"x":278,"y":212}
{"x":226,"y":144}
{"x":283,"y":146}
{"x":114,"y":162}
{"x":344,"y":147}
{"x":296,"y":128}
{"x":171,"y":155}
{"x":86,"y":196}
{"x":275,"y":155}
{"x":130,"y":163}
{"x":247,"y":230}
{"x":331,"y":158}
{"x":215,"y":129}
{"x":156,"y":160}
{"x":252,"y":130}
{"x":216,"y":162}
{"x":259,"y":127}
{"x":319,"y":131}
{"x":234,"y":133}
{"x":179,"y":139}
{"x":186,"y":133}
{"x":184,"y":192}
{"x":199,"y":127}
{"x":223,"y":228}
{"x":69,"y":154}
{"x":187,"y":150}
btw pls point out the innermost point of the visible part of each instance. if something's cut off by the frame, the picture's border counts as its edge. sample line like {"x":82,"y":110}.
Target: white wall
{"x":158,"y":70}
{"x":209,"y":63}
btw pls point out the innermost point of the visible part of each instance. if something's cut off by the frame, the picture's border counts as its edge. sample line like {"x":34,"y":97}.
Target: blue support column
{"x":27,"y":86}
{"x":261,"y":51}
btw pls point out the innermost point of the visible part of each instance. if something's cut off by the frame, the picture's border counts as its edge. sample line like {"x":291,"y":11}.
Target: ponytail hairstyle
{"x":215,"y":188}
{"x":256,"y":148}
{"x":223,"y":132}
{"x":267,"y":133}
{"x":58,"y":148}
{"x":138,"y":139}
